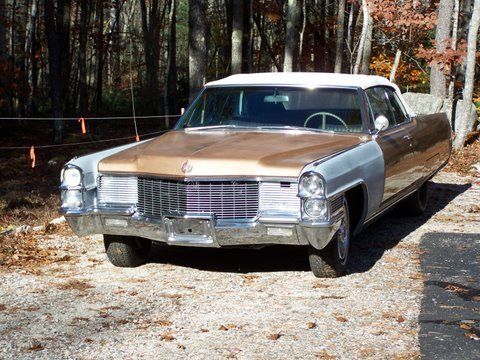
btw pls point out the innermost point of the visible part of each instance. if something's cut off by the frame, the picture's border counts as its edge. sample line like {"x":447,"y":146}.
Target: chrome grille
{"x":226,"y":199}
{"x":336,"y":204}
{"x":279,"y":197}
{"x":117,"y":190}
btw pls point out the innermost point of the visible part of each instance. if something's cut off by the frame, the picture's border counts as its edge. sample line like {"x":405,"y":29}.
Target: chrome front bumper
{"x":266,"y":231}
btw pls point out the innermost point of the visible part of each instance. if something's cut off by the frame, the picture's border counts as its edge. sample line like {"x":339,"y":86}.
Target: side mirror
{"x":381,"y":123}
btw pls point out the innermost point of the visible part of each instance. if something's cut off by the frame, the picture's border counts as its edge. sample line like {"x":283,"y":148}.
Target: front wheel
{"x":331,"y":261}
{"x":127,"y":251}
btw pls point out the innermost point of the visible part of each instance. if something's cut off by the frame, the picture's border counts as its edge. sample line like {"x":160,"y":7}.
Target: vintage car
{"x":260,"y":159}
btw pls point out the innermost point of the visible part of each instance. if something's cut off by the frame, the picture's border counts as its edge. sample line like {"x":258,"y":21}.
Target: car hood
{"x":216,"y":153}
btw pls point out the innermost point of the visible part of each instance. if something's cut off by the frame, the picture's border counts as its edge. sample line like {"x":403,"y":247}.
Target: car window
{"x":397,"y":108}
{"x":380,"y":104}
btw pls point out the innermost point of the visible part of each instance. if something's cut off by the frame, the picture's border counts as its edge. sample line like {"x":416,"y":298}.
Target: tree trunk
{"x":32,"y":23}
{"x":56,"y":36}
{"x":3,"y":31}
{"x":100,"y":48}
{"x":82,"y":56}
{"x":363,"y":37}
{"x":438,"y":82}
{"x":339,"y":38}
{"x":114,"y":26}
{"x":292,"y":35}
{"x":237,"y":37}
{"x":171,"y":91}
{"x":456,"y":10}
{"x":247,"y":50}
{"x":197,"y":45}
{"x":151,"y":44}
{"x":367,"y":48}
{"x":396,"y":62}
{"x":464,"y":126}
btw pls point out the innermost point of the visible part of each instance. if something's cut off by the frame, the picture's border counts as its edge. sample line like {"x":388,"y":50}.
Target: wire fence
{"x":82,"y":120}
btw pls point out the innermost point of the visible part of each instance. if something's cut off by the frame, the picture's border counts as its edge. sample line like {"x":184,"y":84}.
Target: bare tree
{"x":464,"y":126}
{"x":292,"y":35}
{"x":438,"y":83}
{"x":171,"y":89}
{"x":340,"y":37}
{"x":82,"y":56}
{"x":57,"y":28}
{"x":151,"y":42}
{"x":363,"y":37}
{"x":247,"y":51}
{"x":100,"y":58}
{"x":367,"y":48}
{"x":237,"y":37}
{"x":197,"y":44}
{"x":3,"y":30}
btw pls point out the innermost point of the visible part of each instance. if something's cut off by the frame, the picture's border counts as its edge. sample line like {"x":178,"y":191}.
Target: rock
{"x":24,"y":229}
{"x":423,"y":104}
{"x":57,"y":221}
{"x":38,"y":228}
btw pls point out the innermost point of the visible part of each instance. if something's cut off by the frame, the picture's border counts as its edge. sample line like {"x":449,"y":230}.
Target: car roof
{"x":307,"y":79}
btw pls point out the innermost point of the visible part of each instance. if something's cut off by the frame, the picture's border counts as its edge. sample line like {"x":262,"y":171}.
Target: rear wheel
{"x":416,"y":204}
{"x":332,"y":261}
{"x":127,"y":251}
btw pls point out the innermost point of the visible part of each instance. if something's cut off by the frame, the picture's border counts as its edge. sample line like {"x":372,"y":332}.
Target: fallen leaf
{"x":223,"y":328}
{"x":2,"y":307}
{"x":36,"y":346}
{"x":204,"y":330}
{"x":311,"y":325}
{"x":472,"y":336}
{"x":400,"y":319}
{"x":476,"y":298}
{"x":465,"y":326}
{"x":341,"y":318}
{"x":167,"y":336}
{"x":163,"y":323}
{"x":275,"y":336}
{"x":320,"y":286}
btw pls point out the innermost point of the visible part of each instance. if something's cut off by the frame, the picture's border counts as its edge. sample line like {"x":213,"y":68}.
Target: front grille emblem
{"x":186,"y":167}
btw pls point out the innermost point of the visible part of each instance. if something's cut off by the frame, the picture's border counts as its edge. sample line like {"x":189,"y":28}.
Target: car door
{"x":395,"y":142}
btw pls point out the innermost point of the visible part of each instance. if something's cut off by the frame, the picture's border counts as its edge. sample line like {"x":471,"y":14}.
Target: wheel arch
{"x":357,"y":200}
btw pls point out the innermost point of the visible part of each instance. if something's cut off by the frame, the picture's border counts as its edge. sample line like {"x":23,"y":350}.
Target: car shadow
{"x":367,"y":248}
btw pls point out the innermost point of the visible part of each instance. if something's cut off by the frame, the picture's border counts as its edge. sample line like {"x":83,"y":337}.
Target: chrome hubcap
{"x":343,"y":240}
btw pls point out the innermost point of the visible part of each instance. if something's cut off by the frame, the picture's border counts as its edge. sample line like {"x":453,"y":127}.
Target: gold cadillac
{"x":283,"y":158}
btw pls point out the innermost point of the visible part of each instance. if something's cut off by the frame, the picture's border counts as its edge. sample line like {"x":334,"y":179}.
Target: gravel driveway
{"x":209,"y":304}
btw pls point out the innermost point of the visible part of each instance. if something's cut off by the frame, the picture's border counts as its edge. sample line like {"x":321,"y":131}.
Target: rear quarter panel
{"x":432,"y":143}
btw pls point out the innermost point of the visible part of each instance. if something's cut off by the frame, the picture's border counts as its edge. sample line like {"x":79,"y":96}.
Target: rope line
{"x":90,"y":118}
{"x":77,"y":143}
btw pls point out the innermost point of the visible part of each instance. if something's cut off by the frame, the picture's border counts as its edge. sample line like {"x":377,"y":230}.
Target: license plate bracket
{"x":193,"y":230}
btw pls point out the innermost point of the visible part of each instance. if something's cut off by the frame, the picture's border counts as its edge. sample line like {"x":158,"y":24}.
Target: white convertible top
{"x":309,"y":79}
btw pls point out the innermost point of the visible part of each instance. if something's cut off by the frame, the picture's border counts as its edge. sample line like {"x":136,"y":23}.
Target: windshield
{"x":275,"y":107}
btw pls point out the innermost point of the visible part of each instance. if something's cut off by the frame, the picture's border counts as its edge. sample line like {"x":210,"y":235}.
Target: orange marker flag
{"x":82,"y":123}
{"x":32,"y":156}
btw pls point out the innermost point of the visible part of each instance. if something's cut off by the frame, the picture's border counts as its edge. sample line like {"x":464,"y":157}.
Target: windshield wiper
{"x":298,"y":128}
{"x":213,"y":127}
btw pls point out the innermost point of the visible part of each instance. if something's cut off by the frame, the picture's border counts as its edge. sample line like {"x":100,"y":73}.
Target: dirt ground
{"x":61,"y":298}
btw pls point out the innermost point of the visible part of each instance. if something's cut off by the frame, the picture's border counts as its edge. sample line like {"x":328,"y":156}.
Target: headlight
{"x":311,"y":185}
{"x":72,"y":199}
{"x":315,"y":208}
{"x":72,"y":177}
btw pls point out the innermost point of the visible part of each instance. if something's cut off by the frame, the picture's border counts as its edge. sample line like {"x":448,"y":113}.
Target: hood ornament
{"x":186,"y":167}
